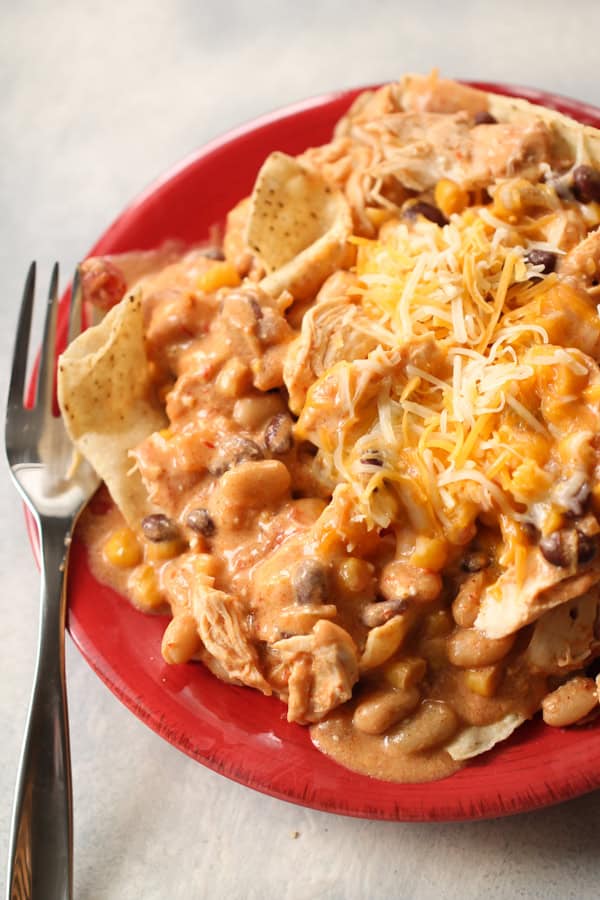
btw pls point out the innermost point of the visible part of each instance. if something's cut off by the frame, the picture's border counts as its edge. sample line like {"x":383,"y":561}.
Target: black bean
{"x":278,"y":434}
{"x":530,"y":531}
{"x":560,"y":547}
{"x":232,"y":452}
{"x":485,"y":118}
{"x":372,"y":458}
{"x":159,"y":527}
{"x":544,"y":258}
{"x":311,"y":583}
{"x":213,"y":253}
{"x":200,"y":521}
{"x":255,"y":306}
{"x":586,"y":548}
{"x":428,"y":210}
{"x":586,"y":184}
{"x":374,"y":614}
{"x":475,"y":562}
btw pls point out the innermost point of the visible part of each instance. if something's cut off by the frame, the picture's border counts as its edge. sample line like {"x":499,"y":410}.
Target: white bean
{"x":469,"y":648}
{"x":249,"y":487}
{"x":466,"y":603}
{"x":382,"y":709}
{"x":252,"y":412}
{"x":434,"y":723}
{"x":234,"y":378}
{"x":570,"y":702}
{"x":180,"y":640}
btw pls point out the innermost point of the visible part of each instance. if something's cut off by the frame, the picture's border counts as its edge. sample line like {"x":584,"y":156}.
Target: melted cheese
{"x":454,"y":427}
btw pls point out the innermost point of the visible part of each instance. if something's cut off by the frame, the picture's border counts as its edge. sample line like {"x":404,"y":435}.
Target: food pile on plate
{"x":354,"y":446}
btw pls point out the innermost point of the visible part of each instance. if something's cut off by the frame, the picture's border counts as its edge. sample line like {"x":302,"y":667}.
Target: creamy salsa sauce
{"x":406,"y":751}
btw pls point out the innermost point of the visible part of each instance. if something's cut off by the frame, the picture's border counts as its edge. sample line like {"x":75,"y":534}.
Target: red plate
{"x":237,"y":731}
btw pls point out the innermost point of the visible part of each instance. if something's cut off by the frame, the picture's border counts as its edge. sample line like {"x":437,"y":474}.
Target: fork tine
{"x":45,"y":383}
{"x":76,"y":308}
{"x":19,"y":365}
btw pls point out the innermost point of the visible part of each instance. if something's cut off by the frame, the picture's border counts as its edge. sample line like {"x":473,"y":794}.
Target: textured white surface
{"x":96,"y":99}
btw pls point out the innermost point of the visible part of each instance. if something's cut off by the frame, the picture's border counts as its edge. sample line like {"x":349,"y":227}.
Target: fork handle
{"x":41,"y":854}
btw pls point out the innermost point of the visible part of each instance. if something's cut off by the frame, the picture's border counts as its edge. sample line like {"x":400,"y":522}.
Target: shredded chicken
{"x":334,"y":329}
{"x":323,"y":667}
{"x":583,"y":261}
{"x":222,"y":627}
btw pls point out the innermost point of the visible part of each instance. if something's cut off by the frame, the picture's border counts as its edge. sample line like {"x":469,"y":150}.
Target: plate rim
{"x":578,"y":784}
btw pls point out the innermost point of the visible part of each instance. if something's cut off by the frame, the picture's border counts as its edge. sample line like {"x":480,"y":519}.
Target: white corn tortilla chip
{"x":480,"y":738}
{"x":105,"y":399}
{"x":565,"y":638}
{"x":298,"y":227}
{"x":512,"y":602}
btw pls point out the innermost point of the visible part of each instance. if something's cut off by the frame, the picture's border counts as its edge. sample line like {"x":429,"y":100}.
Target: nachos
{"x":354,"y":449}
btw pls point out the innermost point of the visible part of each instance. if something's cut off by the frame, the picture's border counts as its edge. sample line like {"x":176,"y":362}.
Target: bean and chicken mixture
{"x":380,"y":501}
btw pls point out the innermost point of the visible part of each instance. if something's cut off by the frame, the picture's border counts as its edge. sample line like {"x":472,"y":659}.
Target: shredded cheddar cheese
{"x":461,"y":397}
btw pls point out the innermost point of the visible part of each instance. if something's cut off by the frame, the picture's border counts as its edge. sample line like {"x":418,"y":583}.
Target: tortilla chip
{"x":298,"y":227}
{"x":514,"y":600}
{"x":105,"y":399}
{"x":565,"y":638}
{"x":581,"y":142}
{"x":479,"y":739}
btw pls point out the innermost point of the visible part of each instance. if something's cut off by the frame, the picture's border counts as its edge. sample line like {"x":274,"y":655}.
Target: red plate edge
{"x":238,"y":732}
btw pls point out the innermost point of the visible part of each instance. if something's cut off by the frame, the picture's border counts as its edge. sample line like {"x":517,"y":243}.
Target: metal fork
{"x":40,"y":456}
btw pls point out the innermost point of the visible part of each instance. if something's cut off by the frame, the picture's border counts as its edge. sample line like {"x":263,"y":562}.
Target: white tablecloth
{"x":96,"y":100}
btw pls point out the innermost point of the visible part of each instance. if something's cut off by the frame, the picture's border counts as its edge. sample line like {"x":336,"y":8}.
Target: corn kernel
{"x":450,"y":197}
{"x":234,"y":378}
{"x":144,"y":588}
{"x":220,"y":274}
{"x":429,"y":553}
{"x":434,"y":651}
{"x":122,"y":549}
{"x":438,"y":624}
{"x":159,"y":551}
{"x":405,"y":673}
{"x":553,"y":521}
{"x":485,"y":681}
{"x":377,"y":216}
{"x":355,"y":574}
